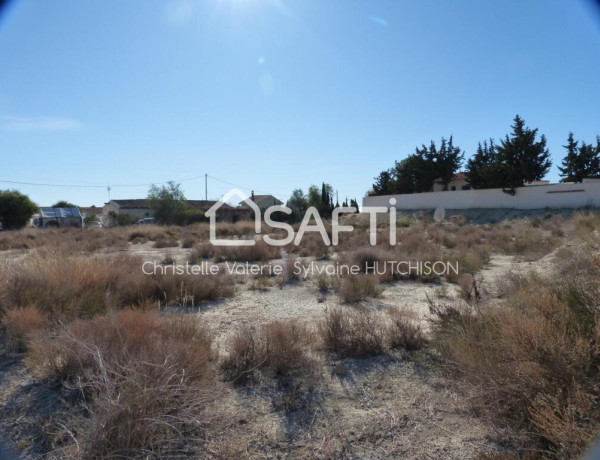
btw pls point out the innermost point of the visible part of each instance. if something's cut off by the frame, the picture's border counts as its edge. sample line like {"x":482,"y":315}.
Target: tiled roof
{"x":458,"y":176}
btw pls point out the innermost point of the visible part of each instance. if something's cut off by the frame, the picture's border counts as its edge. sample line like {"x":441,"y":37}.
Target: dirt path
{"x":303,"y":301}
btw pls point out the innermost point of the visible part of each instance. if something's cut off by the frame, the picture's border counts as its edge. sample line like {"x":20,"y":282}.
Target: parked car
{"x":146,"y":221}
{"x":95,"y":223}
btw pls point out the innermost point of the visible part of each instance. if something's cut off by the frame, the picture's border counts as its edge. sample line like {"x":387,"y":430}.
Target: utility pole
{"x":205,"y":186}
{"x":108,"y":189}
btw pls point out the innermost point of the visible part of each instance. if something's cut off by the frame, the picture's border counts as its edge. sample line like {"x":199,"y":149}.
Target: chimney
{"x":252,"y":195}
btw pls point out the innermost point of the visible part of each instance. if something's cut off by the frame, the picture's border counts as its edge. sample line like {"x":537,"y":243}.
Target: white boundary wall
{"x":553,"y":196}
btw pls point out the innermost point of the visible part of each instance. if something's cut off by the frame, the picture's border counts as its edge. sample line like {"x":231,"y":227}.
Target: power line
{"x":93,"y":186}
{"x":237,"y":185}
{"x":109,"y":186}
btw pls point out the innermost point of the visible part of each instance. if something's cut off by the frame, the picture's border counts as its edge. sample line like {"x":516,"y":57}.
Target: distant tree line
{"x":417,"y":172}
{"x":171,"y":207}
{"x":519,"y":158}
{"x":582,"y":160}
{"x":319,"y":197}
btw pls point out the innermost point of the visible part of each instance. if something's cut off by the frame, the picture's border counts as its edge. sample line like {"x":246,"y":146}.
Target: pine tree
{"x":591,"y":156}
{"x":384,"y":184}
{"x":482,"y":168}
{"x":424,"y":169}
{"x":571,"y":162}
{"x":407,"y":175}
{"x":521,"y":158}
{"x":581,"y":160}
{"x":447,"y":161}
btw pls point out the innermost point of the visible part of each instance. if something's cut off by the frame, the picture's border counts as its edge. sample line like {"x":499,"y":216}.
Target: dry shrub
{"x":59,"y":284}
{"x":281,"y":348}
{"x":404,"y":330}
{"x":352,"y":332}
{"x":188,"y":241}
{"x":65,"y":353}
{"x":370,"y":260}
{"x":260,"y":283}
{"x":143,"y":233}
{"x":563,"y":420}
{"x":326,"y":282}
{"x":533,"y":246}
{"x":65,"y":286}
{"x":287,"y":346}
{"x":533,"y":363}
{"x":293,"y":268}
{"x":189,"y":290}
{"x":245,"y":356}
{"x":584,"y":223}
{"x":71,"y":240}
{"x":148,"y":382}
{"x":354,"y":289}
{"x":138,"y":237}
{"x":242,"y":228}
{"x":469,"y":288}
{"x":260,"y":251}
{"x":470,"y":261}
{"x":311,"y":245}
{"x":366,"y":259}
{"x":19,"y":324}
{"x":165,"y":243}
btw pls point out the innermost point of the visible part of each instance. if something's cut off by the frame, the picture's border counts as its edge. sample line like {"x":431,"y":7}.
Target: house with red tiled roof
{"x":458,"y":182}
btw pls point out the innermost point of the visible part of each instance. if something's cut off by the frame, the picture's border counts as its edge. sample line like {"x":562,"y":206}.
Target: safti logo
{"x":311,"y":222}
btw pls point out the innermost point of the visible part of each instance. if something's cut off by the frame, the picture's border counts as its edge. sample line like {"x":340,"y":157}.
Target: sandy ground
{"x":384,"y":407}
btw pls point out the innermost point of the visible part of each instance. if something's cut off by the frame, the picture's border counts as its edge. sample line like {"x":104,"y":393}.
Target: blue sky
{"x":274,"y":95}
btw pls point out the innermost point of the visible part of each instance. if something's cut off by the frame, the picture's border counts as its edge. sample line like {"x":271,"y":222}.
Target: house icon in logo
{"x":212,"y":214}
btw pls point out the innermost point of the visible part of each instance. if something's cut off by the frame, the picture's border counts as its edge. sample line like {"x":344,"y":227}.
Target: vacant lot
{"x":101,"y":360}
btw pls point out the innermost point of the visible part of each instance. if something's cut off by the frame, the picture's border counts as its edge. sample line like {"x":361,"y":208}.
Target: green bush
{"x":15,"y":209}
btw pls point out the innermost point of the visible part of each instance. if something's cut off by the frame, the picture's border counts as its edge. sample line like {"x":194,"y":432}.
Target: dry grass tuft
{"x":325,"y":282}
{"x":533,"y":363}
{"x":404,"y":330}
{"x":281,"y":348}
{"x":19,"y":324}
{"x":148,"y":383}
{"x":64,"y":353}
{"x":245,"y":356}
{"x":352,"y":332}
{"x":260,"y":251}
{"x":63,"y":286}
{"x":311,"y":245}
{"x":354,"y":289}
